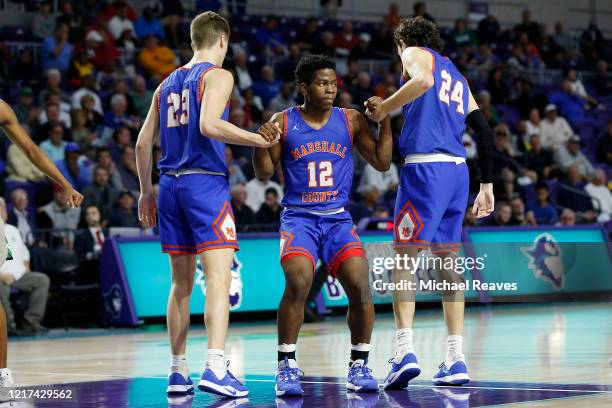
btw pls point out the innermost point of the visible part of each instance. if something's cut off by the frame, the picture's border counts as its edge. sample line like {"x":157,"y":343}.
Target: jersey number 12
{"x":326,"y":178}
{"x":456,"y":95}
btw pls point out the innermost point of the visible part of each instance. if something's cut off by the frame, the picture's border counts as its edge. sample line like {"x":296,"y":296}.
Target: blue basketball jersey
{"x":317,"y":164}
{"x":183,"y":145}
{"x":435,"y":121}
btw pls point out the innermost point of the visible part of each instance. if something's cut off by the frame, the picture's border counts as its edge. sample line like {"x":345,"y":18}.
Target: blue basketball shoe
{"x":177,"y":384}
{"x":401,"y":373}
{"x":228,"y":386}
{"x":456,"y":374}
{"x":288,"y":379}
{"x":360,"y":378}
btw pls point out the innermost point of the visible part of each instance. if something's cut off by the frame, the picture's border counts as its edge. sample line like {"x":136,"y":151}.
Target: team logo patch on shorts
{"x":405,"y":228}
{"x":228,"y":228}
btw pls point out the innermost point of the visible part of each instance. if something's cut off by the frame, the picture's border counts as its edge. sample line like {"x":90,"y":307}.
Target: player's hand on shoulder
{"x":270,"y":132}
{"x":374,"y":109}
{"x":147,"y":210}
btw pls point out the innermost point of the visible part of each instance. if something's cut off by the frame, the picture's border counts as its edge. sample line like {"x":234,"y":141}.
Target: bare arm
{"x":265,"y":160}
{"x":218,"y":85}
{"x":149,"y":132}
{"x":376,"y":152}
{"x":418,"y":64}
{"x":21,"y":139}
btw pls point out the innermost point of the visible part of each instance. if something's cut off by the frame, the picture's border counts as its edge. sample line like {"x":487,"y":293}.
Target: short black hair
{"x":542,"y":186}
{"x":271,"y":190}
{"x":418,"y":32}
{"x":309,"y":64}
{"x":100,"y":150}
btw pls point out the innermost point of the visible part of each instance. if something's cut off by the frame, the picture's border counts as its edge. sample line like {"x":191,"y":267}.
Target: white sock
{"x":216,"y":362}
{"x":403,"y":343}
{"x":454,"y":349}
{"x":178,"y":363}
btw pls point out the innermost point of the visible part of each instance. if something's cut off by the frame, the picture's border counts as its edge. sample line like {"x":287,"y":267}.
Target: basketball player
{"x":11,"y":127}
{"x":316,"y":154}
{"x":190,"y":111}
{"x":434,"y":185}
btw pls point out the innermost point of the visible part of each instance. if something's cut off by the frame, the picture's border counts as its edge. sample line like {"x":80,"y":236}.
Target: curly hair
{"x":418,"y":32}
{"x":310,"y":64}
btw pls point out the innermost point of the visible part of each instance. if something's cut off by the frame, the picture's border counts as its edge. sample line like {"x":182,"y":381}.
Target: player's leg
{"x":177,"y":241}
{"x":299,"y":243}
{"x":453,"y":371}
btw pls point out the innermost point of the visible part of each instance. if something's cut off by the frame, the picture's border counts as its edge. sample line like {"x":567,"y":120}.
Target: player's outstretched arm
{"x":147,"y":203}
{"x":485,"y":201}
{"x":218,"y":85}
{"x":265,"y":160}
{"x":17,"y":135}
{"x":376,"y":152}
{"x":418,"y":64}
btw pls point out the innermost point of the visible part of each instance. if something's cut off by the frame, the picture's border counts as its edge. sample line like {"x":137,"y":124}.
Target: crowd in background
{"x":84,"y":92}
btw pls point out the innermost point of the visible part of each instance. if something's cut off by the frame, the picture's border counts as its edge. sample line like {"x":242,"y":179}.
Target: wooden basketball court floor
{"x":553,"y":355}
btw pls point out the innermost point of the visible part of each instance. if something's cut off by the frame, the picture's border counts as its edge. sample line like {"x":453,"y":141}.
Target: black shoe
{"x":34,"y":328}
{"x":311,"y":315}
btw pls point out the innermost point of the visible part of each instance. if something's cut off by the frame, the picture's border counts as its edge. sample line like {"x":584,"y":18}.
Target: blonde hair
{"x":206,"y":28}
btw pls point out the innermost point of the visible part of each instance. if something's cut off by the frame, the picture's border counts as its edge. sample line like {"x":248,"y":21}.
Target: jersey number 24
{"x":456,"y":95}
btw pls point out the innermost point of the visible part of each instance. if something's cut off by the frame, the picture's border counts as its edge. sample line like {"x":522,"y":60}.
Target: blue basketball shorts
{"x":430,"y":205}
{"x":195,"y":214}
{"x":330,"y":237}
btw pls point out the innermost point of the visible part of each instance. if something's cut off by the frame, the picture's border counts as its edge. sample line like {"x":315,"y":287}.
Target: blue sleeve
{"x":553,"y":214}
{"x":47,"y":47}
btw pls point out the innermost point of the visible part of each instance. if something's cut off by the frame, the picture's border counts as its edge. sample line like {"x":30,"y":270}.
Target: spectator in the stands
{"x":148,"y":24}
{"x":236,"y":176}
{"x":118,"y":115}
{"x":529,"y":27}
{"x":54,"y":146}
{"x":93,"y":119}
{"x":571,"y":106}
{"x":602,"y":81}
{"x":72,"y":19}
{"x":485,"y":58}
{"x":90,"y":240}
{"x":488,"y":110}
{"x":256,"y":192}
{"x":104,"y":158}
{"x":88,"y":87}
{"x":554,"y":129}
{"x":16,"y":273}
{"x":241,"y":69}
{"x":325,"y":45}
{"x":44,"y":21}
{"x":363,"y":88}
{"x":488,"y":29}
{"x":80,"y":133}
{"x":307,"y":37}
{"x":533,"y":124}
{"x":591,"y":40}
{"x":363,"y":49}
{"x":570,"y":155}
{"x":56,"y":50}
{"x":420,"y":10}
{"x":345,"y":100}
{"x":63,"y":116}
{"x":100,"y":45}
{"x":600,"y":194}
{"x":519,"y":217}
{"x":127,"y":170}
{"x":20,"y":217}
{"x":561,"y":38}
{"x":75,"y":170}
{"x":496,"y":87}
{"x":270,"y":38}
{"x":270,"y":210}
{"x":575,"y":197}
{"x":120,"y":23}
{"x":100,"y":194}
{"x":57,"y":214}
{"x":461,"y":35}
{"x":604,"y":145}
{"x":20,"y":168}
{"x":284,"y":99}
{"x":25,"y":110}
{"x":243,"y":215}
{"x":542,"y":212}
{"x":53,"y":84}
{"x":366,"y":207}
{"x":577,"y":86}
{"x":503,"y":215}
{"x":385,"y":181}
{"x":125,"y":215}
{"x":505,"y":168}
{"x":253,"y":109}
{"x":81,"y":66}
{"x":345,"y":40}
{"x":352,"y":73}
{"x":567,"y":218}
{"x":392,"y":18}
{"x":540,"y":160}
{"x":157,"y":60}
{"x":141,"y":96}
{"x":383,"y":40}
{"x":267,"y":87}
{"x":25,"y":71}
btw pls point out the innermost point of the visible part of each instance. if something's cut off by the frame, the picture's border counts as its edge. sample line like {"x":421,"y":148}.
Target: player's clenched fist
{"x":271,"y":132}
{"x":374,"y":109}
